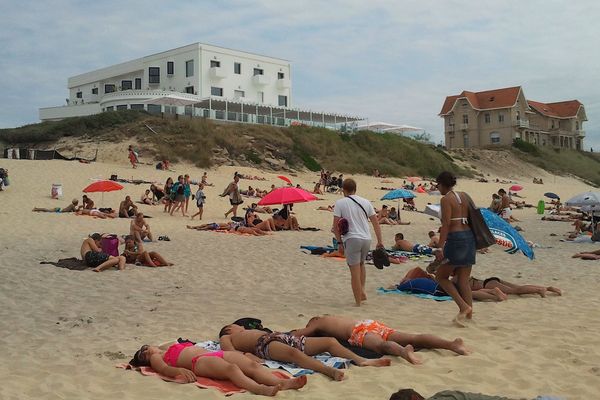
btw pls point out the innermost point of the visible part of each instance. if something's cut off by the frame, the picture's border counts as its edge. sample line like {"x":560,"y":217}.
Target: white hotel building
{"x":195,"y":80}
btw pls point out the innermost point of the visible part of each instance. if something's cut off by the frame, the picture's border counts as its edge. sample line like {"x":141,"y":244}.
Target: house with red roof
{"x":498,"y":117}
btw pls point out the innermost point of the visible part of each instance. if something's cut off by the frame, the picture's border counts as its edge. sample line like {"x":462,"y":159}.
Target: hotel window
{"x":488,"y":118}
{"x":189,"y":68}
{"x":216,"y":91}
{"x":95,"y":90}
{"x":261,"y":97}
{"x":465,"y":119}
{"x":138,"y":83}
{"x":280,"y":75}
{"x":126,"y":85}
{"x":170,"y":67}
{"x":136,"y":106}
{"x":79,"y":95}
{"x":238,"y":94}
{"x":501,"y":118}
{"x":153,"y":75}
{"x":215,"y":64}
{"x":258,"y":71}
{"x":109,"y":89}
{"x":122,"y":107}
{"x":237,"y":68}
{"x":110,"y":108}
{"x":189,"y":89}
{"x":283,"y":101}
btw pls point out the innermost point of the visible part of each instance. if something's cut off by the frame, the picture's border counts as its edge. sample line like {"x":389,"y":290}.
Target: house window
{"x":126,"y":85}
{"x":465,"y":140}
{"x":552,"y":124}
{"x":465,"y":118}
{"x":136,"y":106}
{"x":215,"y":64}
{"x":518,"y":116}
{"x":216,"y":91}
{"x":238,"y":94}
{"x":280,"y":75}
{"x":79,"y":95}
{"x":138,"y":83}
{"x":501,"y":118}
{"x":237,"y":68}
{"x":261,"y":97}
{"x":258,"y":71}
{"x":495,"y":138}
{"x":170,"y":67}
{"x":109,"y":89}
{"x":487,"y":118}
{"x":153,"y":75}
{"x":189,"y":68}
{"x":122,"y":107}
{"x":189,"y":89}
{"x":95,"y":90}
{"x":576,"y":125}
{"x":282,"y":101}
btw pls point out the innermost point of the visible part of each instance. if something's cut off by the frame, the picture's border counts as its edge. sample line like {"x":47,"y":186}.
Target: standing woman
{"x":458,"y":244}
{"x":178,"y":190}
{"x":187,"y":191}
{"x":168,"y":200}
{"x":235,"y":198}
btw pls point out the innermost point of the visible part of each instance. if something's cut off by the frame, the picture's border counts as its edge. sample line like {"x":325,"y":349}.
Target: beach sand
{"x":63,"y":331}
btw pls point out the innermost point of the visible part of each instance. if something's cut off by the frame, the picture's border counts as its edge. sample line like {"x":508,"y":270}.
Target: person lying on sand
{"x":434,"y":240}
{"x":326,"y":208}
{"x":134,"y":252}
{"x":187,"y":362}
{"x":139,"y":228}
{"x":284,"y":347}
{"x":404,"y":245}
{"x":93,"y":256}
{"x":588,"y":255}
{"x":261,"y":209}
{"x":378,"y":337}
{"x":94,"y":212}
{"x":252,"y":221}
{"x":233,"y":227}
{"x":511,"y":288}
{"x":70,"y":208}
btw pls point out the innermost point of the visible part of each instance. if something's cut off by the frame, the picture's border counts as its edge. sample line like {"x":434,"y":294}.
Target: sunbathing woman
{"x":512,"y":288}
{"x":94,"y":212}
{"x":261,"y":209}
{"x":134,"y":253}
{"x":326,"y":208}
{"x":70,"y":208}
{"x":253,"y":221}
{"x":186,"y":361}
{"x":232,"y":227}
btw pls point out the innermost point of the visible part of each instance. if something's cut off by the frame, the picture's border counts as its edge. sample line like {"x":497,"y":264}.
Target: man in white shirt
{"x":356,"y":242}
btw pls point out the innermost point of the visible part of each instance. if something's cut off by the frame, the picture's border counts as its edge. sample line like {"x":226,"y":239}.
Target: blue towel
{"x":311,"y":248}
{"x":419,"y":295}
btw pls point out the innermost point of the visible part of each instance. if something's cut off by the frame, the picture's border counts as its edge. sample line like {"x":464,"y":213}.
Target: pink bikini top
{"x":172,"y":354}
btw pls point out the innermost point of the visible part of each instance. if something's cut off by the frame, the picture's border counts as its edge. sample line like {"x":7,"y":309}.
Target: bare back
{"x":88,"y":245}
{"x":459,"y":212}
{"x":337,"y":327}
{"x":245,"y":341}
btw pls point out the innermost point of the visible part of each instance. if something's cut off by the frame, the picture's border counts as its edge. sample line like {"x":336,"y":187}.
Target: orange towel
{"x":225,"y":387}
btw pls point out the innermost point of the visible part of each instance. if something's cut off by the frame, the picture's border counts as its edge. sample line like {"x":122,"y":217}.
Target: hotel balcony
{"x":260,"y":80}
{"x":283,"y":83}
{"x":522,"y":123}
{"x":217,"y":73}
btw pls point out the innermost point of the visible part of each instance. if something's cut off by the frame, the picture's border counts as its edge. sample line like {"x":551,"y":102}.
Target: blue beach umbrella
{"x":399,"y":194}
{"x":506,"y":236}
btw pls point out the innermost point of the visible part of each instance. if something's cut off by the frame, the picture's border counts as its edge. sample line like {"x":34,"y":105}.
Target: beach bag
{"x":343,"y":225}
{"x":483,"y":236}
{"x":110,"y":245}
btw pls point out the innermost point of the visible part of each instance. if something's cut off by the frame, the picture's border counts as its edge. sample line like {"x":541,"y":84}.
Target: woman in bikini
{"x":458,"y":247}
{"x":512,"y":288}
{"x":187,"y":362}
{"x":135,"y":253}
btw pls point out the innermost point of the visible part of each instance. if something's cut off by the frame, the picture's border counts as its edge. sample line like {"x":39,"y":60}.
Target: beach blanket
{"x":294,"y":370}
{"x":71,"y":263}
{"x":419,"y":295}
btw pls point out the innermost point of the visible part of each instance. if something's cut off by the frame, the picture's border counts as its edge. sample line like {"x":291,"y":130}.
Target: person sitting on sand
{"x":317,"y":188}
{"x":290,"y":221}
{"x":147,"y":198}
{"x":377,"y":337}
{"x":87,"y":203}
{"x":126,"y":208}
{"x":94,"y":212}
{"x":404,"y":245}
{"x":434,"y":240}
{"x":187,"y":362}
{"x":284,"y":347}
{"x":393,"y":214}
{"x":383,"y":216}
{"x":134,"y":253}
{"x":409,"y":205}
{"x":251,"y":220}
{"x":70,"y":208}
{"x":139,"y":228}
{"x":93,"y":256}
{"x":261,"y":209}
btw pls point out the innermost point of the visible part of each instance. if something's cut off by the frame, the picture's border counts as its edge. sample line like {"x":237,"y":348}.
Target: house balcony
{"x":464,"y":127}
{"x":522,"y":123}
{"x":260,"y":80}
{"x":283,"y":83}
{"x":580,"y":133}
{"x":217,"y":73}
{"x":451,"y":128}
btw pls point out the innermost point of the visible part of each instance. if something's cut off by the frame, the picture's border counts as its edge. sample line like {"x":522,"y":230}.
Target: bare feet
{"x":377,"y":362}
{"x":410,"y":356}
{"x":500,"y":294}
{"x":294,"y":383}
{"x":554,"y":290}
{"x":96,"y":270}
{"x":337,"y":375}
{"x":268,"y":390}
{"x":364,"y":296}
{"x":462,"y":316}
{"x":542,"y":292}
{"x":458,"y":346}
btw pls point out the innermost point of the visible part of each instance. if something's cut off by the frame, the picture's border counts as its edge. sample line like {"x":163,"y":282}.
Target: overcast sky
{"x":392,"y":61}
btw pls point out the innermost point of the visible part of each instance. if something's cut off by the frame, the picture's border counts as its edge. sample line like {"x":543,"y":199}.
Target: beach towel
{"x":419,"y":295}
{"x":71,"y":263}
{"x":294,"y":370}
{"x":318,"y":250}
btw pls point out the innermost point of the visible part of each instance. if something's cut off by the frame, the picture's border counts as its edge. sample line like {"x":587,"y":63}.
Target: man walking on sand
{"x":351,"y":217}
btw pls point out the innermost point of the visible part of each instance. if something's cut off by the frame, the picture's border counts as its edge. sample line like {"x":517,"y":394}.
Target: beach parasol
{"x":285,"y":179}
{"x":398,"y":194}
{"x":584,"y":199}
{"x":515,"y":188}
{"x":286,"y":195}
{"x":102,"y":186}
{"x":506,"y":236}
{"x":551,"y":195}
{"x":414,"y":179}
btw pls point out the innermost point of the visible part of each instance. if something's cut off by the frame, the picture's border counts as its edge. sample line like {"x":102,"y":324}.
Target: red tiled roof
{"x":561,"y":109}
{"x":489,"y":99}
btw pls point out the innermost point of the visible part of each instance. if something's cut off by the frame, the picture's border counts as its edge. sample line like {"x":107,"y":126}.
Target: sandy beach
{"x":63,"y":331}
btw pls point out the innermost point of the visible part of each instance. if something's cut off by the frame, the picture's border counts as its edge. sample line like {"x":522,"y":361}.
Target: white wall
{"x":56,"y":113}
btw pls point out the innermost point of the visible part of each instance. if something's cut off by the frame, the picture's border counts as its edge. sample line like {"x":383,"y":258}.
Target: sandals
{"x":164,"y":238}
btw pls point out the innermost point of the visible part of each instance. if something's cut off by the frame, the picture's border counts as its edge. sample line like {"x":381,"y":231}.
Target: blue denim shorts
{"x":460,"y":248}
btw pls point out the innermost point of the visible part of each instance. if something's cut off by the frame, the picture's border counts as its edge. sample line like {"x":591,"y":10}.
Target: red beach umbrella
{"x":287,"y":195}
{"x":285,"y":179}
{"x":515,"y":188}
{"x":103,"y":186}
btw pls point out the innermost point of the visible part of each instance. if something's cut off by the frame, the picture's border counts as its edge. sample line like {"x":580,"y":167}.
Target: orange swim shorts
{"x":368,"y":326}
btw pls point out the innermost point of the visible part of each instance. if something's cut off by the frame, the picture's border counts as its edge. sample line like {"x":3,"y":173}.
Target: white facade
{"x":198,"y":69}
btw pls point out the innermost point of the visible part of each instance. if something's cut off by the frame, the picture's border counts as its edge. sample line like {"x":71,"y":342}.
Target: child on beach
{"x":187,"y":362}
{"x":200,"y":200}
{"x":293,"y":349}
{"x":378,"y":337}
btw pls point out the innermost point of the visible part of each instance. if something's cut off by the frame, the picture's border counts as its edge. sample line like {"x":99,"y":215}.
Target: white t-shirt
{"x":200,"y":197}
{"x":357,"y":220}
